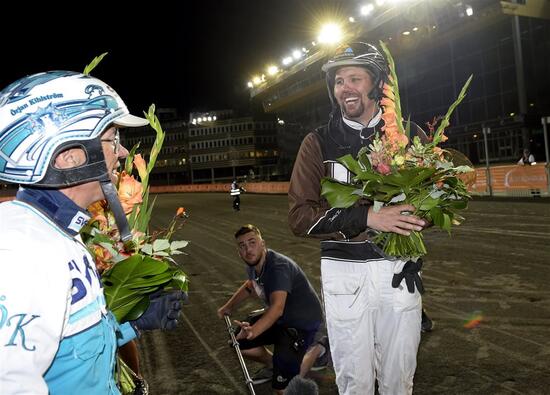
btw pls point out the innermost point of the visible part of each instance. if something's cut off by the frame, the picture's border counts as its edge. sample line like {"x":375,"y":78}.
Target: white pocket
{"x":344,"y":295}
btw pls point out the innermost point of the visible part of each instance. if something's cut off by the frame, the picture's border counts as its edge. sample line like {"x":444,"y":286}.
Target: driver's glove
{"x":410,"y":274}
{"x":163,"y":311}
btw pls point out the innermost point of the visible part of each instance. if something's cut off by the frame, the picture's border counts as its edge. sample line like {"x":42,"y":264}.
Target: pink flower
{"x":383,"y":168}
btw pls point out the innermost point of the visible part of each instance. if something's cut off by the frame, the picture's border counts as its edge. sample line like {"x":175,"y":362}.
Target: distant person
{"x":236,"y":193}
{"x":527,"y":158}
{"x":292,"y":316}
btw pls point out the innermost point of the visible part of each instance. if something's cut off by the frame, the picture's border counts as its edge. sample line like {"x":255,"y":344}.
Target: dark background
{"x":192,"y":55}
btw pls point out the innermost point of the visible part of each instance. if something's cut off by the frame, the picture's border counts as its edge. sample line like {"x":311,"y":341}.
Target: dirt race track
{"x":496,"y":265}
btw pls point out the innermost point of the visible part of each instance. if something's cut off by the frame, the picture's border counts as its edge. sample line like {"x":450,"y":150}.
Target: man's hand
{"x":246,"y":332}
{"x":397,"y":219}
{"x":163,"y":311}
{"x":224,"y":310}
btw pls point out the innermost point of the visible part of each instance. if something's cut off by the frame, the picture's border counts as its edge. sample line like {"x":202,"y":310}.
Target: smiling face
{"x":352,"y":86}
{"x":251,"y":248}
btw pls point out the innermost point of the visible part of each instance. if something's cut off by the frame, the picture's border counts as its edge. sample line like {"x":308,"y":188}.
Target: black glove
{"x":163,"y":311}
{"x":410,"y":273}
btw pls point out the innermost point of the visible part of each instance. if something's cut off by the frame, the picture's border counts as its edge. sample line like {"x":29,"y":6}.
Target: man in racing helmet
{"x":374,"y":329}
{"x":59,"y":139}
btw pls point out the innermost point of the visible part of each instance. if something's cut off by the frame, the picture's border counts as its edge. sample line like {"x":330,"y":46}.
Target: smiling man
{"x":291,"y":318}
{"x":59,"y":139}
{"x":374,"y":328}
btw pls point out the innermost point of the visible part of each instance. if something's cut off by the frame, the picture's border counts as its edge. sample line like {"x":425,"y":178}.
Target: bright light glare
{"x":250,"y":84}
{"x":296,"y":54}
{"x":256,"y":80}
{"x":272,"y":70}
{"x":287,"y":60}
{"x":367,"y":9}
{"x":380,"y":2}
{"x":469,"y":11}
{"x":406,"y":33}
{"x":351,"y":19}
{"x":330,"y":34}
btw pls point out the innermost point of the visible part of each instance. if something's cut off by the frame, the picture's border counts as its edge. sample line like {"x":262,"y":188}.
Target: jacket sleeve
{"x":309,"y":213}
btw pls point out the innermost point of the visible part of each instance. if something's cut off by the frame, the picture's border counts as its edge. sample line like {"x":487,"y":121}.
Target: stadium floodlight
{"x":256,"y":80}
{"x":351,"y":19}
{"x":287,"y":60}
{"x":214,"y":118}
{"x":296,"y":54}
{"x":330,"y":34}
{"x":250,"y":84}
{"x":272,"y":70}
{"x":194,"y":121}
{"x":367,"y":9}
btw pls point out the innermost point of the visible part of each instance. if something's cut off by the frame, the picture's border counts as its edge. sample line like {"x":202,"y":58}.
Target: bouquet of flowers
{"x":395,"y":170}
{"x":131,"y":271}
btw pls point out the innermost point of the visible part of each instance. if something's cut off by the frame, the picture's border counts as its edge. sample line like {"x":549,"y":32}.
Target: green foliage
{"x":88,"y":69}
{"x":128,"y":284}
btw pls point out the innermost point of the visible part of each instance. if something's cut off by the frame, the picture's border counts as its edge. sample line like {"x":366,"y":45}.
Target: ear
{"x":72,"y":157}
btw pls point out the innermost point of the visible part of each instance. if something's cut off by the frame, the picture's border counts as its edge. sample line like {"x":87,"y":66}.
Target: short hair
{"x":301,"y":386}
{"x":247,"y":229}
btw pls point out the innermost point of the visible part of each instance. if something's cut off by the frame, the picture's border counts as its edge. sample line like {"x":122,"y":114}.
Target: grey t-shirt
{"x":280,"y":273}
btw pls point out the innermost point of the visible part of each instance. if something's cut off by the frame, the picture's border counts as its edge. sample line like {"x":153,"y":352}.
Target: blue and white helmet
{"x":44,"y":114}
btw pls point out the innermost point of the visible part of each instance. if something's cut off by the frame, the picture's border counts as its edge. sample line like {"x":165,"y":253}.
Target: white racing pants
{"x":373,"y":328}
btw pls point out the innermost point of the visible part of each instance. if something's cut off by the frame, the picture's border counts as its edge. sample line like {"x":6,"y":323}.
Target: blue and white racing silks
{"x":56,"y":335}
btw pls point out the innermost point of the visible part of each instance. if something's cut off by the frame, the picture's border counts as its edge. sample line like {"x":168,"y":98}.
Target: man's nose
{"x":122,"y":151}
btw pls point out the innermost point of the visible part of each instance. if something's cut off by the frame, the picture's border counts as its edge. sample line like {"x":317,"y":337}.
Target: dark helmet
{"x":357,"y":54}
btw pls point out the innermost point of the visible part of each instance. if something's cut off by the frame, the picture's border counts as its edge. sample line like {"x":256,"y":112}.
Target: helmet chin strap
{"x":111,"y":195}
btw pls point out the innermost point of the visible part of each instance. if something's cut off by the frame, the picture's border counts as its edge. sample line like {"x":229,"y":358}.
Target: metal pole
{"x":235,"y":344}
{"x":520,"y":77}
{"x":545,"y":121}
{"x":486,"y":131}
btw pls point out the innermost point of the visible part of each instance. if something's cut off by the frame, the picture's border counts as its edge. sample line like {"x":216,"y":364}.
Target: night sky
{"x":192,"y":55}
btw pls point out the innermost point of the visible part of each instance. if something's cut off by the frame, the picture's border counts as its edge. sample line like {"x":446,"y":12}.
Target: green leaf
{"x":338,"y":194}
{"x":147,"y":249}
{"x":160,"y":245}
{"x":138,"y":310}
{"x":120,"y":296}
{"x":351,"y":164}
{"x":177,"y":244}
{"x":437,"y":216}
{"x":446,"y":223}
{"x":88,"y":69}
{"x":428,"y":204}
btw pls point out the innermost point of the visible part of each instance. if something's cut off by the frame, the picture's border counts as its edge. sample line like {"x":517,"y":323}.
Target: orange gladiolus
{"x":387,"y":103}
{"x":129,"y":192}
{"x":141,"y":166}
{"x":180,"y":212}
{"x":388,"y":91}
